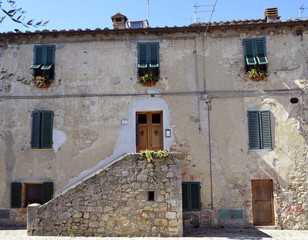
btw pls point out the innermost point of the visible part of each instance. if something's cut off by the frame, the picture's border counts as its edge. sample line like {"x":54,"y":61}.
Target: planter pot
{"x":149,"y":83}
{"x":47,"y":85}
{"x":258,"y":78}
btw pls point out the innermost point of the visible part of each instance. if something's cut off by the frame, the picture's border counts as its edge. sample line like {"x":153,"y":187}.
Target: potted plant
{"x":150,"y":154}
{"x":41,"y":81}
{"x":148,"y":79}
{"x":256,"y":74}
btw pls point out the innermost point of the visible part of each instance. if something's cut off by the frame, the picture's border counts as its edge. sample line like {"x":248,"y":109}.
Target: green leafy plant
{"x":150,"y":154}
{"x":101,"y":235}
{"x":148,"y":77}
{"x":256,"y":74}
{"x":162,"y":154}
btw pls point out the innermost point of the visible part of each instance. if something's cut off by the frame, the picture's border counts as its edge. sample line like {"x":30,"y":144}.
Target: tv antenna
{"x":196,"y":6}
{"x":148,"y":5}
{"x":301,"y":11}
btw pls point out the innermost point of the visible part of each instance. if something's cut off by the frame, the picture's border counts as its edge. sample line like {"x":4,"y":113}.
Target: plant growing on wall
{"x":256,"y":74}
{"x":41,"y":82}
{"x":148,"y":79}
{"x":150,"y":154}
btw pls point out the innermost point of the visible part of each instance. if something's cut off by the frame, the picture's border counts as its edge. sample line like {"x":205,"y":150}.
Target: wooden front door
{"x":149,"y":131}
{"x":262,"y":202}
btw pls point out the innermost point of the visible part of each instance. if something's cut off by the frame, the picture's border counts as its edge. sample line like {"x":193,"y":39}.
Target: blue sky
{"x":92,"y":14}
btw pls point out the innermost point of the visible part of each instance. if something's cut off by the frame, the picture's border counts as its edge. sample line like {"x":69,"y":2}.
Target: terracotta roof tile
{"x":198,"y":25}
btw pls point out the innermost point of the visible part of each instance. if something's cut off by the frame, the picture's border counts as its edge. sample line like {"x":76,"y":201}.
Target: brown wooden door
{"x":149,"y":131}
{"x":262,"y":202}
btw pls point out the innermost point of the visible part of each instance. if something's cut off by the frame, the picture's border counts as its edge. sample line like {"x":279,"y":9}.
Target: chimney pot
{"x":271,"y":14}
{"x":119,"y":21}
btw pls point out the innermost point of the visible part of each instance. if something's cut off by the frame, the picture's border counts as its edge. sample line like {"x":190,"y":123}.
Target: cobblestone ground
{"x":194,"y":234}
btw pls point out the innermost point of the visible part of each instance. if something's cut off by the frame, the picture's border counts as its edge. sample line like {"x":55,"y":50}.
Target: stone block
{"x":161,"y":222}
{"x":170,"y":215}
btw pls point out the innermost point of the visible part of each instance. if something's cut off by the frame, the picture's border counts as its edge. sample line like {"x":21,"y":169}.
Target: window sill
{"x":41,"y":149}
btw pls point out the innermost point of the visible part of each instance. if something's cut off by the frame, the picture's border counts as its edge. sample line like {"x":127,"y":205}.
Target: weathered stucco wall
{"x":209,"y":127}
{"x":115,"y":202}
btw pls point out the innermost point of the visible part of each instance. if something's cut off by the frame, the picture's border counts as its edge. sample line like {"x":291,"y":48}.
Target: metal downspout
{"x":208,"y":103}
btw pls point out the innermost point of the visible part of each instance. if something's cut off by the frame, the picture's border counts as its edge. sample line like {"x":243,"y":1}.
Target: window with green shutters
{"x":32,"y":193}
{"x":148,"y":58}
{"x":259,"y":129}
{"x":15,"y":195}
{"x":42,"y":127}
{"x":44,"y":61}
{"x":191,"y":196}
{"x":255,"y":54}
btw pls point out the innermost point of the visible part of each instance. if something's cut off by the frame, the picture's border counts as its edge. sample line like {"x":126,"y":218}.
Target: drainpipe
{"x":208,"y":103}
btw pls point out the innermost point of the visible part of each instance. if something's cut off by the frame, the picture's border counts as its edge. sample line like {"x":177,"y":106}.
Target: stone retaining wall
{"x":114,"y":202}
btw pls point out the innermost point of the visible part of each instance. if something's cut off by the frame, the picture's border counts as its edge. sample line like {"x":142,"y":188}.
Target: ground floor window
{"x":23,"y":194}
{"x":191,"y":196}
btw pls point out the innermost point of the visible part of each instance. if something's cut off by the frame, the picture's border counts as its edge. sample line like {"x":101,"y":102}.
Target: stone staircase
{"x":128,"y":197}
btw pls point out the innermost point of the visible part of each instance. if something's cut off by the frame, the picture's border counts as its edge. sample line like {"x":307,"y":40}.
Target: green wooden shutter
{"x":154,"y":55}
{"x":47,"y":191}
{"x":195,"y":195}
{"x":253,"y":130}
{"x":249,"y":52}
{"x":15,"y":195}
{"x":49,"y":54}
{"x":261,"y":50}
{"x":46,"y":129}
{"x":142,"y":54}
{"x":185,"y":196}
{"x":35,"y":135}
{"x":265,"y":123}
{"x":38,"y":57}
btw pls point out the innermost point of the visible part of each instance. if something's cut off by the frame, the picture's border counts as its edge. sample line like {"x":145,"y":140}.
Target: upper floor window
{"x":148,"y":59}
{"x":44,"y":61}
{"x":42,"y":127}
{"x":255,"y":54}
{"x":259,"y":129}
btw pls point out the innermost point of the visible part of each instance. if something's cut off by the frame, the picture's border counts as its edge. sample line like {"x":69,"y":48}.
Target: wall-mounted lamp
{"x":168,"y":133}
{"x":124,"y":121}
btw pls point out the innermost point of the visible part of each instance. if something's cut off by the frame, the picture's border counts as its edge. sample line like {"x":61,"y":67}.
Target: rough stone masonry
{"x":132,"y":197}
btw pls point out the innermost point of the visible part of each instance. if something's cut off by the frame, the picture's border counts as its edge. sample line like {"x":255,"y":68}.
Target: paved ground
{"x":204,"y":234}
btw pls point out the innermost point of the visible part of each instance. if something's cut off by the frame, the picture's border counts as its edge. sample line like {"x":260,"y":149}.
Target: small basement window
{"x":151,"y":196}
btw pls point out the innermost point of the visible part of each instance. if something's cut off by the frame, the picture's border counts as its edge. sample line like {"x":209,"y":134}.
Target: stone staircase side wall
{"x":114,"y":202}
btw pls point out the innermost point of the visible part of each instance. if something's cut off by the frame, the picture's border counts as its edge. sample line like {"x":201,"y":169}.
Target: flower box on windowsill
{"x":148,"y":79}
{"x":41,"y":82}
{"x":256,"y":74}
{"x":258,"y":78}
{"x":149,"y":83}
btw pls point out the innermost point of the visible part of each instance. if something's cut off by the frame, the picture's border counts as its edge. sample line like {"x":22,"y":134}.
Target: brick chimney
{"x":119,"y":21}
{"x":271,"y":14}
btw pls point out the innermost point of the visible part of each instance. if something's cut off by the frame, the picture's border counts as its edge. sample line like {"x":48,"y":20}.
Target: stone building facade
{"x":243,"y":140}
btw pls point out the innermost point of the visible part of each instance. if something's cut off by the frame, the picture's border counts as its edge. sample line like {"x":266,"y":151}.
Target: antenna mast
{"x":149,"y":12}
{"x":301,"y":10}
{"x":196,"y":6}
